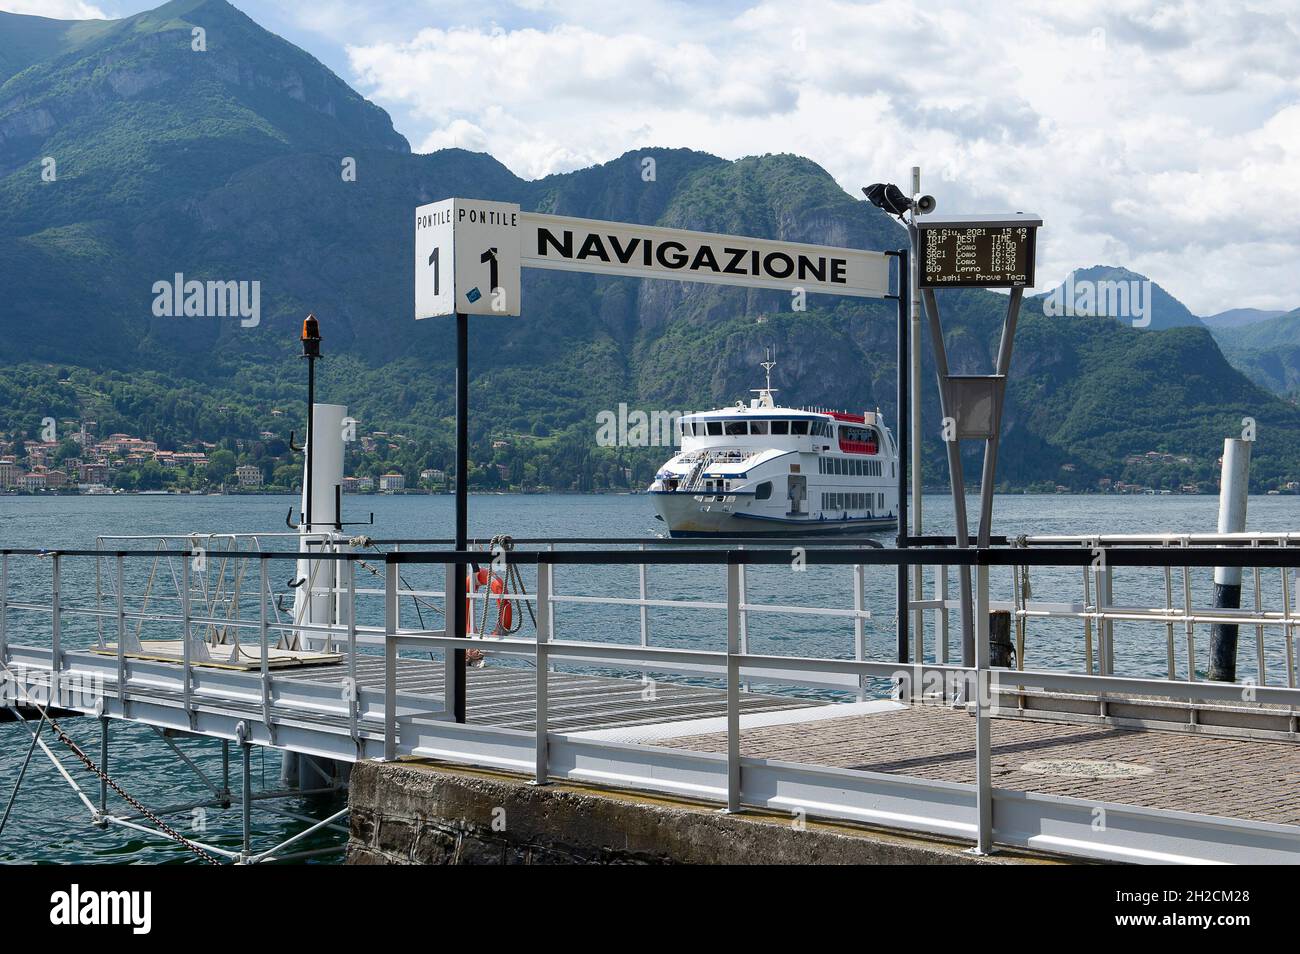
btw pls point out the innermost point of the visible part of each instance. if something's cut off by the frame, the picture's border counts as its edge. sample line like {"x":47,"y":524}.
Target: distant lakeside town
{"x":82,"y":462}
{"x":124,"y":463}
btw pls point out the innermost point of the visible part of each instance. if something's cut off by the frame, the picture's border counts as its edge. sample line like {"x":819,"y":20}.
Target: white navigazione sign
{"x":646,"y":251}
{"x":468,"y":254}
{"x":466,"y":258}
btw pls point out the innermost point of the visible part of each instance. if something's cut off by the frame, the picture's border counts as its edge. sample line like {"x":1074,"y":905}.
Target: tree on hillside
{"x":221,"y":466}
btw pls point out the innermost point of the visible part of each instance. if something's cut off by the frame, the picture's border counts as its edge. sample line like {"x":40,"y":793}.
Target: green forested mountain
{"x":231,"y":163}
{"x":1268,"y":351}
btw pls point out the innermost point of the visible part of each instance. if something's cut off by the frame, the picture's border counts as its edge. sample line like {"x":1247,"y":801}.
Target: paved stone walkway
{"x":1157,"y":769}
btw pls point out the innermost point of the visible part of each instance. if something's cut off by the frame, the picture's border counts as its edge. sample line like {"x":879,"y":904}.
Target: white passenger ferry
{"x":764,"y":470}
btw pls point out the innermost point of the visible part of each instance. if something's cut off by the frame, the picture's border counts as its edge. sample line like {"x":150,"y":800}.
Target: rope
{"x":90,"y":764}
{"x":364,"y":541}
{"x":514,"y":585}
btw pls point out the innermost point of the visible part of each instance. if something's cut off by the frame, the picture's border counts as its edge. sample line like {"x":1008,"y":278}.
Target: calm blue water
{"x":49,"y":823}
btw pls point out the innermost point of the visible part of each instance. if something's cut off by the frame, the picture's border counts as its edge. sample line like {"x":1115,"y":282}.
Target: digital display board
{"x":977,"y":252}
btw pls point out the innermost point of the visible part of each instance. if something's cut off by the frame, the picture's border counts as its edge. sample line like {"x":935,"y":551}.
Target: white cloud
{"x":1161,"y":136}
{"x":55,"y":9}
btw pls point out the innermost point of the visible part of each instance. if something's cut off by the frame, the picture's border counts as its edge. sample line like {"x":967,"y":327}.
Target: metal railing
{"x":730,"y":664}
{"x":402,"y":726}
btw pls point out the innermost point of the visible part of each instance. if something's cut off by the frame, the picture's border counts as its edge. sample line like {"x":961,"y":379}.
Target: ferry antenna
{"x":767,"y":367}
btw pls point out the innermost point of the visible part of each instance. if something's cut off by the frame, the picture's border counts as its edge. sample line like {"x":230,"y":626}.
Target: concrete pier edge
{"x":425,"y":812}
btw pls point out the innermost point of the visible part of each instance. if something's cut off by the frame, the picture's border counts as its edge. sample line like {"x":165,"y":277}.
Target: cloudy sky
{"x":1160,"y":136}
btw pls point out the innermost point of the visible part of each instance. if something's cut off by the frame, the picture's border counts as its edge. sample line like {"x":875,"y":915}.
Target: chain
{"x":130,"y":800}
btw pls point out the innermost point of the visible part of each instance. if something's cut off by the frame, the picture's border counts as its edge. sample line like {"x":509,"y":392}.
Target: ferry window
{"x":798,"y":427}
{"x":780,"y":427}
{"x":715,"y":428}
{"x":758,"y":427}
{"x":763,"y":491}
{"x":685,"y":428}
{"x":735,"y":428}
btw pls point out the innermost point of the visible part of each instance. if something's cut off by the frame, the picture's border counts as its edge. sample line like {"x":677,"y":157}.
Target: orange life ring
{"x":496,"y":586}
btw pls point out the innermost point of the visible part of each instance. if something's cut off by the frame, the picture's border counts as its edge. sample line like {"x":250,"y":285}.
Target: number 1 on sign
{"x":490,"y":259}
{"x":435,"y":261}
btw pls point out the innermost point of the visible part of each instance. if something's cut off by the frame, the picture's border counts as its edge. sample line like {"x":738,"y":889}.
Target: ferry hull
{"x":695,"y":515}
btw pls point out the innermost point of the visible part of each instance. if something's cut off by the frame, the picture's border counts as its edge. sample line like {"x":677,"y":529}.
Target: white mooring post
{"x":1234,"y":486}
{"x":315,"y":600}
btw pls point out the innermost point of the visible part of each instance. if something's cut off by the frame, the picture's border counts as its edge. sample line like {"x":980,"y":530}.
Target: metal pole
{"x":103,"y":764}
{"x":918,"y":573}
{"x":733,"y":686}
{"x":991,"y":447}
{"x":225,"y":771}
{"x":390,"y":660}
{"x":56,"y":636}
{"x":311,"y":420}
{"x":246,"y":808}
{"x":4,"y":607}
{"x":1234,"y":485}
{"x":541,"y":772}
{"x":983,"y":690}
{"x":904,"y":427}
{"x":448,"y":656}
{"x":22,"y":773}
{"x":462,"y":505}
{"x":955,"y":476}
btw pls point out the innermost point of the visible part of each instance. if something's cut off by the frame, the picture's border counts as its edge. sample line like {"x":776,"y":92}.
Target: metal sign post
{"x":468,"y":255}
{"x":903,"y":394}
{"x":974,"y":252}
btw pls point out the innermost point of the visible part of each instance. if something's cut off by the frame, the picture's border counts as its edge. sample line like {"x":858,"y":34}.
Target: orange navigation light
{"x":311,"y":337}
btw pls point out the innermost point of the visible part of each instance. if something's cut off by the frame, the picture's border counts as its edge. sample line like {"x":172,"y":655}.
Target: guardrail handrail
{"x":734,"y":663}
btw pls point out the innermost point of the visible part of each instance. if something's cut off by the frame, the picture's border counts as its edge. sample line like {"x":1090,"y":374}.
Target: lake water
{"x":50,"y":824}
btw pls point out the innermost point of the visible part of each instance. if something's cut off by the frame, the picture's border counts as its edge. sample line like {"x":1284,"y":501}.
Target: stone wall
{"x":421,"y":813}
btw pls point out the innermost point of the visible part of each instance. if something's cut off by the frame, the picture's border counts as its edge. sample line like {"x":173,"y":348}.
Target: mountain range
{"x":129,"y":157}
